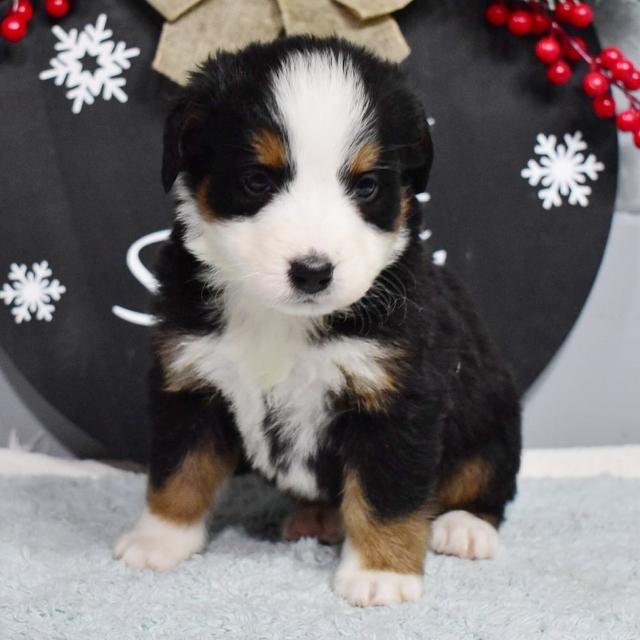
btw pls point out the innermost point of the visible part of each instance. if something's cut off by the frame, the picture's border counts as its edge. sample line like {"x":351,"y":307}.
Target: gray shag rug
{"x":569,"y":570}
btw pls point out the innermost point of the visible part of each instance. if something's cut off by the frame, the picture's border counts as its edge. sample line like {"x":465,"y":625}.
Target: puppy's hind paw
{"x":460,"y":533}
{"x":160,"y":545}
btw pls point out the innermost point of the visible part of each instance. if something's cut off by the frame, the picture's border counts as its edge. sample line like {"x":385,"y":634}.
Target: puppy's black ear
{"x":172,"y":145}
{"x":181,"y":124}
{"x":417,"y":157}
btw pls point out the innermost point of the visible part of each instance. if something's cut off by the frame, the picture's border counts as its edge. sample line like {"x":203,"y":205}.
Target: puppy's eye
{"x":257,"y":183}
{"x":367,"y":187}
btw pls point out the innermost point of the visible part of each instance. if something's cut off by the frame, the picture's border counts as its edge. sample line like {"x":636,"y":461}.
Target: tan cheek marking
{"x":398,"y":545}
{"x":269,"y":149}
{"x":187,"y":495}
{"x":204,"y":208}
{"x":467,"y":483}
{"x":405,"y":210}
{"x":365,"y":158}
{"x":405,"y":205}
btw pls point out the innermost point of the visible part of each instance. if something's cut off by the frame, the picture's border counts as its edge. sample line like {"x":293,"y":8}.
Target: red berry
{"x":559,"y":72}
{"x":13,"y":28}
{"x":571,"y":52}
{"x":610,"y":56}
{"x":628,"y":120}
{"x":564,"y":11}
{"x":581,"y":15}
{"x":23,"y":9}
{"x":595,"y":84}
{"x":636,"y":138}
{"x":520,"y":23}
{"x":633,"y":81}
{"x":540,"y":24}
{"x":622,"y":70}
{"x":548,"y":50}
{"x":57,"y":8}
{"x":604,"y":106}
{"x":497,"y":14}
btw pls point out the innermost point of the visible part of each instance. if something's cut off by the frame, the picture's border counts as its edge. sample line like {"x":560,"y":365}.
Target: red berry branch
{"x":559,"y":47}
{"x":14,"y":25}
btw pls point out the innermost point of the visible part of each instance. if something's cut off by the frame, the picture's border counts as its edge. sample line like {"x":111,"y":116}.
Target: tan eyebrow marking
{"x":365,"y":158}
{"x":269,"y":149}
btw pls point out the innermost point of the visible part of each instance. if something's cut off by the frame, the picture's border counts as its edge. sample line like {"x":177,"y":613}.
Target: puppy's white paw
{"x":160,"y":545}
{"x":460,"y":533}
{"x":365,"y":588}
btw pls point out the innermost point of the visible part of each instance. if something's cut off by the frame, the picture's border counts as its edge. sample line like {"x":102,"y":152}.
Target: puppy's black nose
{"x":311,"y":275}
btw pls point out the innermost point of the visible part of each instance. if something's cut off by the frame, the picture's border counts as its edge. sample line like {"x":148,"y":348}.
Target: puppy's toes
{"x":365,"y":588}
{"x":460,"y":533}
{"x":158,"y":544}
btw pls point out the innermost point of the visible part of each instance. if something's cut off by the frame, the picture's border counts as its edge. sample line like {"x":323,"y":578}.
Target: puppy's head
{"x":297,"y":162}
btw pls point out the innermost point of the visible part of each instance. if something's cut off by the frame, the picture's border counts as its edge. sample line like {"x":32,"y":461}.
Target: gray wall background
{"x":589,"y":394}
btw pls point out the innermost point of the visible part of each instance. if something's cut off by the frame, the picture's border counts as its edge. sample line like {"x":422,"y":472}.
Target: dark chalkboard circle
{"x":84,"y":212}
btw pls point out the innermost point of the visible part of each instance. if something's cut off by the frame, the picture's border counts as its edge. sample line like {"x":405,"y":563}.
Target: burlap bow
{"x":196,"y":28}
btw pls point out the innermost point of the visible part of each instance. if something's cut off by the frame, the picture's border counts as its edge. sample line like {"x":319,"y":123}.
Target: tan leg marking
{"x":173,"y":527}
{"x":315,"y":520}
{"x":465,"y":485}
{"x":458,"y":531}
{"x":188,"y":494}
{"x":382,"y":561}
{"x":398,"y":545}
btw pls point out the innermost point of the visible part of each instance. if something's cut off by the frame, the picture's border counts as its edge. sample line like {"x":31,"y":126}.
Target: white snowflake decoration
{"x":31,"y":292}
{"x":439,"y":257}
{"x":84,"y":85}
{"x":563,"y":170}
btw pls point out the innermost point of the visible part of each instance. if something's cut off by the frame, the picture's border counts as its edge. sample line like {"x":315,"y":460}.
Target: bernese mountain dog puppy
{"x":304,"y":332}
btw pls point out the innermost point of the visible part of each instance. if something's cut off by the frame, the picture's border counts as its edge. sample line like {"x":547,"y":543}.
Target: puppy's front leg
{"x":382,"y":560}
{"x":190,"y":459}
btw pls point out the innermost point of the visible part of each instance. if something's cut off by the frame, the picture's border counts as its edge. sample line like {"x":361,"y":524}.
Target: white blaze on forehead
{"x":323,"y":106}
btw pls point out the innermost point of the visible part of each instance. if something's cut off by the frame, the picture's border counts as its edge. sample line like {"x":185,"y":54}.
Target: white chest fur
{"x":266,"y":365}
